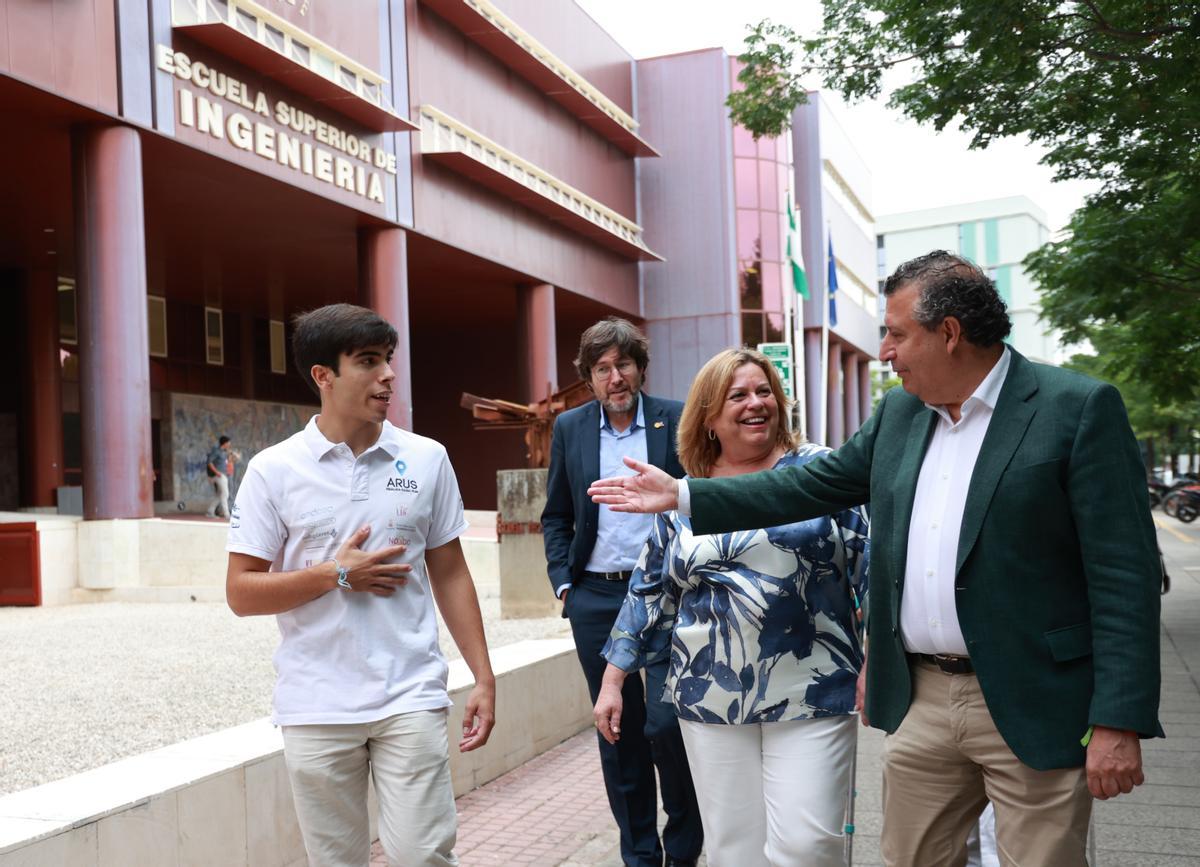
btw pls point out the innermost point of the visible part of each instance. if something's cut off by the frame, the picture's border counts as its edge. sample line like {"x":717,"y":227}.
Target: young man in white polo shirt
{"x":348,"y":533}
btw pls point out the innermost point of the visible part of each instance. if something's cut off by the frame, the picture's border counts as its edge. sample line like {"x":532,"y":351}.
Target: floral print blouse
{"x":760,"y":625}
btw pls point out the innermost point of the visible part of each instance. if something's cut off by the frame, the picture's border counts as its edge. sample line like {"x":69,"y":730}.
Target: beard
{"x":622,"y":403}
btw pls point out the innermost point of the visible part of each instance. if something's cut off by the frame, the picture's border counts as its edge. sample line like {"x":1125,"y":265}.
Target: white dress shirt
{"x":928,"y":615}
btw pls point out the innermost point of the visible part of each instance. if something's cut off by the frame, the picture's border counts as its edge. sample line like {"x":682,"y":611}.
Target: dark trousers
{"x":650,"y":739}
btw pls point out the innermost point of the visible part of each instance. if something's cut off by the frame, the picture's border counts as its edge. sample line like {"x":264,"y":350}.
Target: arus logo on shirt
{"x":402,"y":485}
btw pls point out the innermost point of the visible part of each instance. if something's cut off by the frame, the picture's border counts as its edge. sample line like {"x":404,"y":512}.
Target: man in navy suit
{"x":590,"y":552}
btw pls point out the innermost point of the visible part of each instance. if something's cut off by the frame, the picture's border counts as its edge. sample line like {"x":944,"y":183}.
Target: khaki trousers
{"x":409,"y":760}
{"x":947,"y":760}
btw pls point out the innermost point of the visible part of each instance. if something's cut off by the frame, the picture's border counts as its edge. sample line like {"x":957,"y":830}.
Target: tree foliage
{"x":771,"y":87}
{"x":1111,"y":90}
{"x":1168,"y":429}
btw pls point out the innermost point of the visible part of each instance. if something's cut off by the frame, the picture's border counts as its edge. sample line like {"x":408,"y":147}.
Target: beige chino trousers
{"x":947,"y":760}
{"x":408,"y":758}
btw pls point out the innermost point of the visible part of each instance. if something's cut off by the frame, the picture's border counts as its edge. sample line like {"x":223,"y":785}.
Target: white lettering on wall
{"x":354,"y":172}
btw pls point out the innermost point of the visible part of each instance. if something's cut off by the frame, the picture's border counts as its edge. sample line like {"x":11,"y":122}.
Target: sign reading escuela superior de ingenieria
{"x":306,"y":144}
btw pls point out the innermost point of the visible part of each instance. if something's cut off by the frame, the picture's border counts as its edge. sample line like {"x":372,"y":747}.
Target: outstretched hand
{"x":650,"y":490}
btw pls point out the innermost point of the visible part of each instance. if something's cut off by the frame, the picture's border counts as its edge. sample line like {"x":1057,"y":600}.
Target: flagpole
{"x":799,"y":366}
{"x":794,"y":312}
{"x":825,"y":352}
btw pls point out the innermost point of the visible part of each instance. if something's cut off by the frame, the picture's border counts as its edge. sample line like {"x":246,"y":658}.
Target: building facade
{"x":186,"y":175}
{"x":997,"y":235}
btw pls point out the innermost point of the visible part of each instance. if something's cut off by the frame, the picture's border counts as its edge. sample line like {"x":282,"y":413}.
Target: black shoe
{"x":678,"y":862}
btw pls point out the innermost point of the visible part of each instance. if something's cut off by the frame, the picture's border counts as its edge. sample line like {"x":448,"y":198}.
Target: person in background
{"x":590,"y":554}
{"x":220,"y":468}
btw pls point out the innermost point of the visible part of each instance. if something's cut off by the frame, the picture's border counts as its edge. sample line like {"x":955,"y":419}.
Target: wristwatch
{"x":343,"y":579}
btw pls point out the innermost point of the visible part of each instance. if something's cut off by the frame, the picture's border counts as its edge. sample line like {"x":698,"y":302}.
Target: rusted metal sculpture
{"x":536,"y":418}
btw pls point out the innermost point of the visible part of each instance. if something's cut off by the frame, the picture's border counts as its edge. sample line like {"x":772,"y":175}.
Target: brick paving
{"x":548,"y":812}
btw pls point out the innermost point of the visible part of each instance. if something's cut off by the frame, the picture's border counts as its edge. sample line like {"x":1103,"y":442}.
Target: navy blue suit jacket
{"x":570,"y":517}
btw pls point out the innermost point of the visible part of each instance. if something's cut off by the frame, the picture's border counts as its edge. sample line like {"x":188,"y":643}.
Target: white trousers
{"x":220,"y":500}
{"x":408,"y":757}
{"x":772,"y":793}
{"x":981,"y":843}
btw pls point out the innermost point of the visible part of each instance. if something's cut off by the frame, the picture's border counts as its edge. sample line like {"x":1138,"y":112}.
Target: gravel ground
{"x":84,"y":685}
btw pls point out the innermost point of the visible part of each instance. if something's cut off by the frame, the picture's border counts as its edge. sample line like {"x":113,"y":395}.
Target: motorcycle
{"x":1187,"y":506}
{"x":1172,"y":496}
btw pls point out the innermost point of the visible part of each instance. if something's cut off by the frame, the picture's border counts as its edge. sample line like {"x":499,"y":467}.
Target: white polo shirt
{"x":352,"y":657}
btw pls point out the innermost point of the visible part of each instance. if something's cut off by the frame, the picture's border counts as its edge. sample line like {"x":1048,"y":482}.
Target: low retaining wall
{"x":225,"y":799}
{"x":176,"y":560}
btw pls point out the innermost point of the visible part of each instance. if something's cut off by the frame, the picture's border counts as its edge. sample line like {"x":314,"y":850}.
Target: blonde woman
{"x":762,"y":632}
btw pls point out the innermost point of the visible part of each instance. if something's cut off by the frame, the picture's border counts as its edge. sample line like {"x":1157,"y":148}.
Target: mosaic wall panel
{"x":192,"y":424}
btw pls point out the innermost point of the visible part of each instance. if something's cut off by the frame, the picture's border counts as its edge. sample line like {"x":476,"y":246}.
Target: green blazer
{"x":1058,"y":573}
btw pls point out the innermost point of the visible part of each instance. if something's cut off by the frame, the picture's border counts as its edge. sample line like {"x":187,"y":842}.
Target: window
{"x":278,"y":347}
{"x":247,"y":23}
{"x":300,"y":52}
{"x":323,"y":65}
{"x":214,"y":344}
{"x":274,"y":37}
{"x":68,"y":330}
{"x":218,"y":10}
{"x":156,"y":315}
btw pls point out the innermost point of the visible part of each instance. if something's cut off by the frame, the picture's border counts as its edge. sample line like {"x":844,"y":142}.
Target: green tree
{"x":1110,"y":89}
{"x":1166,"y":429}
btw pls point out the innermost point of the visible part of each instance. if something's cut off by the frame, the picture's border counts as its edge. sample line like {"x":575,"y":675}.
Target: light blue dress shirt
{"x":620,"y":535}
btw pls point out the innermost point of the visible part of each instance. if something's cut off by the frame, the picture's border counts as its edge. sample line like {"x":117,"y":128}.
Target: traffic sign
{"x":780,"y":356}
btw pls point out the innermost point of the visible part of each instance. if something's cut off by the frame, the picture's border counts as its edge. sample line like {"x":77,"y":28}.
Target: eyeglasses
{"x":625,"y":368}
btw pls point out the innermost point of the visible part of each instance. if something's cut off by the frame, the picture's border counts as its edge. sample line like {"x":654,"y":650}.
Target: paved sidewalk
{"x":1158,"y":825}
{"x":552,"y":810}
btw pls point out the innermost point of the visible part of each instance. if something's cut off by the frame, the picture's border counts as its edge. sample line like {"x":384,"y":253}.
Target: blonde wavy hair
{"x":706,"y":397}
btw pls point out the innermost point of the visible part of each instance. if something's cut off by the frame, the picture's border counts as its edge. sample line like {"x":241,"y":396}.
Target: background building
{"x":716,"y":207}
{"x":833,"y":187}
{"x":997,"y":235}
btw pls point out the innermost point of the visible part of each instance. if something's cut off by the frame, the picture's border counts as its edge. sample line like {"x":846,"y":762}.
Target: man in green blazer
{"x":1013,"y":630}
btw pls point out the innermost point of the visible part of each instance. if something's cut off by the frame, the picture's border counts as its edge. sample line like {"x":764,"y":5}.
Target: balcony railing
{"x":452,"y":143}
{"x":482,"y":22}
{"x":273,"y":46}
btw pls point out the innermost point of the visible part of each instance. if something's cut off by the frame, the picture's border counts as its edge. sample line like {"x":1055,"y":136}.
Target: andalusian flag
{"x":794,"y":254}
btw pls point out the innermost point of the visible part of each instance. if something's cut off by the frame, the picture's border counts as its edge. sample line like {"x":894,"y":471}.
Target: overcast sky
{"x":912,"y":166}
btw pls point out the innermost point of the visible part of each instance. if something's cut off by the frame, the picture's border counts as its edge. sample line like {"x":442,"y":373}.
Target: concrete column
{"x":537,"y":342}
{"x":834,"y":400}
{"x":114,"y":361}
{"x":864,"y":389}
{"x":383,"y":282}
{"x":813,"y":371}
{"x":850,"y":384}
{"x":42,"y":451}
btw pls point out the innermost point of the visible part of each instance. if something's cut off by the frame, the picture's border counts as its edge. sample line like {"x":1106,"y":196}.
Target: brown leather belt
{"x":948,"y":664}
